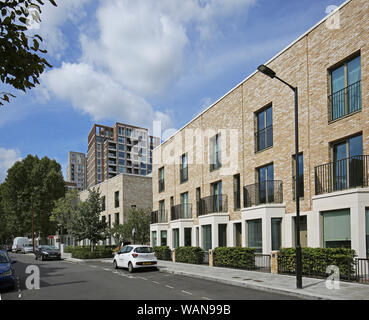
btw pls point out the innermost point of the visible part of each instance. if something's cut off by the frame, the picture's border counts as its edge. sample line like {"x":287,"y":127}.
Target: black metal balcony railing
{"x":344,"y":174}
{"x":213,"y":204}
{"x":183,"y":172}
{"x":159,"y":217}
{"x":264,"y":138}
{"x":345,"y":101}
{"x":161,"y":185}
{"x":269,"y":191}
{"x":181,"y":211}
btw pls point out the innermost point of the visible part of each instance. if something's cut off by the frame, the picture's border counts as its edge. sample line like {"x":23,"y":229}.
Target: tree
{"x":87,"y":224}
{"x":32,"y":183}
{"x":139,"y":220}
{"x":65,"y":210}
{"x":20,"y":63}
{"x":5,"y":234}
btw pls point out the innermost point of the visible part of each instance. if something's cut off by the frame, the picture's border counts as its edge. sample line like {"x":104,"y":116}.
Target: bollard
{"x":174,"y":255}
{"x":211,"y":260}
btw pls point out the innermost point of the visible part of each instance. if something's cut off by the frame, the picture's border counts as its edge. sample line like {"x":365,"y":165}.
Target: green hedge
{"x":316,"y":260}
{"x":194,"y":255}
{"x":234,"y":257}
{"x":163,"y":253}
{"x":79,"y":252}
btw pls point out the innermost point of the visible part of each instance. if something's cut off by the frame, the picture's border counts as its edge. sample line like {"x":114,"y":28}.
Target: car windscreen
{"x":144,"y":250}
{"x":4,"y":257}
{"x":48,"y":248}
{"x":28,"y":245}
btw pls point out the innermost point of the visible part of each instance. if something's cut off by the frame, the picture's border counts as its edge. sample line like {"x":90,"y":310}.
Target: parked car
{"x":44,"y":252}
{"x":27,"y":248}
{"x":7,"y":273}
{"x":19,"y":243}
{"x":135,"y":257}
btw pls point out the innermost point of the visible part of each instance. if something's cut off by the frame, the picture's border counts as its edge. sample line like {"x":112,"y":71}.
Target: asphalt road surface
{"x":64,"y":280}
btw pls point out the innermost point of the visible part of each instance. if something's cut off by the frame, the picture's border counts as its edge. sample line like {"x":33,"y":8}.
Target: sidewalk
{"x":312,"y":288}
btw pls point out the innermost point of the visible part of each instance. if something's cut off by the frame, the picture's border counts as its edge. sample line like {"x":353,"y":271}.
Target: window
{"x":206,"y":237}
{"x":198,"y":200}
{"x":264,"y":129}
{"x":215,"y":152}
{"x":266,"y":184}
{"x":109,"y":219}
{"x":222,"y":235}
{"x":185,"y":206}
{"x":238,"y":234}
{"x":301,"y":175}
{"x":117,"y":218}
{"x":154,"y":239}
{"x":121,"y":147}
{"x":345,"y":89}
{"x":217,"y":201}
{"x":237,"y":191}
{"x":161,"y":180}
{"x":254,"y":234}
{"x":336,"y":229}
{"x":348,"y":168}
{"x":116,"y":199}
{"x":184,"y":168}
{"x":187,"y":237}
{"x":163,"y":238}
{"x":175,"y":238}
{"x":103,"y":203}
{"x":276,"y":233}
{"x":162,"y":210}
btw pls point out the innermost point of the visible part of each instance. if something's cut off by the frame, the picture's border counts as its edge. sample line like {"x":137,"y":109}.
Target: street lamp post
{"x":270,"y":73}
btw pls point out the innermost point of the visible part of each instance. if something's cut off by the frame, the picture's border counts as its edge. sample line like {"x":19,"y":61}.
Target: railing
{"x":262,"y":262}
{"x":159,"y":217}
{"x":264,"y":138}
{"x":183,"y":172}
{"x":343,"y":174}
{"x":345,"y":101}
{"x":362,"y":270}
{"x":161,"y":185}
{"x":269,"y":191}
{"x":181,"y":211}
{"x":213,"y":204}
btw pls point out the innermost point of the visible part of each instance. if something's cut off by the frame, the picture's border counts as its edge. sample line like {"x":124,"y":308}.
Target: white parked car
{"x":19,"y":243}
{"x":27,"y":248}
{"x":135,"y":257}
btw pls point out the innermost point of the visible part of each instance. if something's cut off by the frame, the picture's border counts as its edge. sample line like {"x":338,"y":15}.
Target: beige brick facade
{"x":305,"y":64}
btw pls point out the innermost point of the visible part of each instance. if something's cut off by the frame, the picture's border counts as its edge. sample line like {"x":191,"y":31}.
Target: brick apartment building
{"x":227,"y":177}
{"x":76,"y":170}
{"x":119,"y":149}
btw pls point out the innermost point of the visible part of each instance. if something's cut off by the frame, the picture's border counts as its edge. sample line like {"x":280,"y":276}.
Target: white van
{"x":19,"y":243}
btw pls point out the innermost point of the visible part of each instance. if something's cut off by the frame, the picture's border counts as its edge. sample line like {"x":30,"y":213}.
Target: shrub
{"x":316,"y":260}
{"x":86,"y":253}
{"x":163,"y":253}
{"x":194,"y":255}
{"x":234,"y":257}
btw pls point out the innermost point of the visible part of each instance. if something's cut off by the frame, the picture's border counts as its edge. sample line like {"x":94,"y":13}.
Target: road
{"x":64,"y":280}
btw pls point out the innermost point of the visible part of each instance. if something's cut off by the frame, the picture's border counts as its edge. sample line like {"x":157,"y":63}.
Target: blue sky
{"x":139,"y":61}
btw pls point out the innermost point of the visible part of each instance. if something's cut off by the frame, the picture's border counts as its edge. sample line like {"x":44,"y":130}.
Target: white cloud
{"x":7,"y":158}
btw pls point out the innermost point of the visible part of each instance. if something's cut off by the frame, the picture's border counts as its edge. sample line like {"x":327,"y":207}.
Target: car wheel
{"x":130,"y":267}
{"x":115,"y":265}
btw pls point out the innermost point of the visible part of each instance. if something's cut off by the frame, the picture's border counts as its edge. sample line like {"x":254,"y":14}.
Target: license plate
{"x":147,"y":263}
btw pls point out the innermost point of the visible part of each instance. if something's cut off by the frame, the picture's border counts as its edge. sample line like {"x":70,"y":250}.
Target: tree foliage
{"x":20,"y":63}
{"x":86,"y":224}
{"x":139,"y":220}
{"x":32,"y":183}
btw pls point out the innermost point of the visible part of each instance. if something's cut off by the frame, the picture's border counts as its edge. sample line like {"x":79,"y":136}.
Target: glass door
{"x":266,"y":184}
{"x":217,"y":197}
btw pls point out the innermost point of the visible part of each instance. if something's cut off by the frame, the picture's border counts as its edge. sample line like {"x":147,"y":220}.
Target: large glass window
{"x":336,"y":229}
{"x":276,"y":233}
{"x":175,"y":238}
{"x":116,"y":199}
{"x":217,"y":203}
{"x":215,"y":152}
{"x":266,"y":184}
{"x":184,"y":168}
{"x":222,"y":235}
{"x":185,"y":205}
{"x":346,"y":89}
{"x":255,"y":235}
{"x":264,"y":129}
{"x":161,"y":180}
{"x":187,"y":237}
{"x":154,"y":239}
{"x":206,"y":237}
{"x":237,"y":191}
{"x":162,"y":210}
{"x":163,"y":238}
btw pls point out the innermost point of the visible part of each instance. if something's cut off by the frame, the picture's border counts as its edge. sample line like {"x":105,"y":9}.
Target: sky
{"x":139,"y":61}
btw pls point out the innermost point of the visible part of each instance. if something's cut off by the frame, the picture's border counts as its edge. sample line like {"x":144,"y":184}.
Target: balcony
{"x":213,"y":204}
{"x":340,"y":175}
{"x":159,"y":217}
{"x":181,"y":211}
{"x":269,"y":191}
{"x":344,"y":102}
